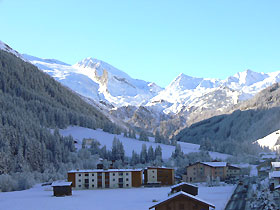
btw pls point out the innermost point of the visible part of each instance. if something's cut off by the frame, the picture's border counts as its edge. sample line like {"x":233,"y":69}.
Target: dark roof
{"x":185,"y":195}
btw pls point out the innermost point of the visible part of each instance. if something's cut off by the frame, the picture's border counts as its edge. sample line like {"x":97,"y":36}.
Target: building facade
{"x":233,"y":172}
{"x":198,"y":172}
{"x":182,"y":201}
{"x":159,"y":175}
{"x":111,"y":178}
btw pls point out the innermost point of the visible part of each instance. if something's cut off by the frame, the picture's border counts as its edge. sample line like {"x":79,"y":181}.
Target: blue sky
{"x":154,"y":40}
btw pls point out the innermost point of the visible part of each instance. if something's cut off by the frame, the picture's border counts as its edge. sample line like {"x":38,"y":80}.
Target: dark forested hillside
{"x":230,"y":133}
{"x":31,"y":103}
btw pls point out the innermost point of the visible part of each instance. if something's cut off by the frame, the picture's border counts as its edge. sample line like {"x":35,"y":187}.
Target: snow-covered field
{"x":106,"y":199}
{"x":129,"y":144}
{"x":270,"y":140}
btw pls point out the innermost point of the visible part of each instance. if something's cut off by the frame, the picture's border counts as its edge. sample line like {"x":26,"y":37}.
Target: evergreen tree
{"x":158,"y":153}
{"x":151,"y":154}
{"x":135,"y":159}
{"x":143,"y":136}
{"x":117,"y":150}
{"x":143,"y":154}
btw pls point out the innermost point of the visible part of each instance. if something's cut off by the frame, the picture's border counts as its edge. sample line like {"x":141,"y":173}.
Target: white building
{"x":111,"y":178}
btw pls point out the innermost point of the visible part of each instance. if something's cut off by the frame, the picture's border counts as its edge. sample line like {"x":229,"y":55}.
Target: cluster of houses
{"x":182,"y":195}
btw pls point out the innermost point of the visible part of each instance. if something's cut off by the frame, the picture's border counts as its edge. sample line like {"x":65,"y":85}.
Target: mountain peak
{"x":89,"y":62}
{"x":249,"y":77}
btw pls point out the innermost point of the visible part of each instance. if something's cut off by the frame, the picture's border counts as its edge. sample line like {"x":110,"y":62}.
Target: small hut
{"x":182,"y":200}
{"x":62,"y":188}
{"x":185,"y":187}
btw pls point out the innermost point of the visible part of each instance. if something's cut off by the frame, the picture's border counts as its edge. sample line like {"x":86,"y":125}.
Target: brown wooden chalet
{"x":182,"y":200}
{"x":62,"y":188}
{"x":185,"y":187}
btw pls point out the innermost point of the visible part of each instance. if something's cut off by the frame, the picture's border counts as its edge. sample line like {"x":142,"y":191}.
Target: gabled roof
{"x":187,"y":195}
{"x":61,"y":184}
{"x":215,"y":164}
{"x":183,"y":183}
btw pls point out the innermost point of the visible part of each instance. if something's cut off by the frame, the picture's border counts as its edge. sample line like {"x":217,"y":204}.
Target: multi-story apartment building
{"x":198,"y":172}
{"x":159,"y":175}
{"x":111,"y":178}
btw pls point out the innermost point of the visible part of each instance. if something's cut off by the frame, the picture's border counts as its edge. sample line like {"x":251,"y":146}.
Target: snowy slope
{"x":104,"y":199}
{"x":270,"y":140}
{"x":104,"y":138}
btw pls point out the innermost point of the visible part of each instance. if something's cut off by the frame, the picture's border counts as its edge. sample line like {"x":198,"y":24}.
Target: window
{"x":92,"y":174}
{"x":127,"y":185}
{"x":153,"y":176}
{"x":79,"y":180}
{"x":120,"y":179}
{"x":86,"y":174}
{"x":113,"y":180}
{"x":120,"y":173}
{"x":92,"y":185}
{"x":80,"y":174}
{"x":126,"y":174}
{"x":79,"y":185}
{"x":113,"y":174}
{"x":126,"y":179}
{"x":92,"y":180}
{"x":153,"y":171}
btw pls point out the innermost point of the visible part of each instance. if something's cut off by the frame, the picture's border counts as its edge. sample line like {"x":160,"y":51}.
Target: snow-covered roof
{"x":275,"y":164}
{"x":61,"y":184}
{"x":234,"y":166}
{"x":186,"y":195}
{"x":274,"y":174}
{"x":215,"y":164}
{"x":277,"y":187}
{"x":182,"y":183}
{"x":155,"y":167}
{"x":103,"y":170}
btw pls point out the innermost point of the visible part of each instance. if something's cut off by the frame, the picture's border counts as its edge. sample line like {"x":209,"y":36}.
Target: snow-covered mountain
{"x":185,"y":99}
{"x":187,"y":92}
{"x":99,"y":81}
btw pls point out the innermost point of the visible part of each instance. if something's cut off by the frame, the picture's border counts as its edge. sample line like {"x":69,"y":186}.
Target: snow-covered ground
{"x":105,"y":199}
{"x":129,"y":144}
{"x":270,"y":140}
